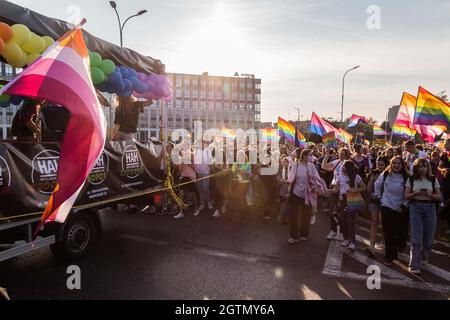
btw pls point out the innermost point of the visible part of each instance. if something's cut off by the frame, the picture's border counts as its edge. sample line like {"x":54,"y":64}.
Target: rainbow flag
{"x":344,"y":136}
{"x":62,"y":75}
{"x":268,"y":134}
{"x":381,"y":142}
{"x":320,"y":126}
{"x":355,"y":202}
{"x":404,"y":123}
{"x":229,"y":133}
{"x":430,"y":110}
{"x":300,"y":141}
{"x":286,"y":130}
{"x":329,"y":139}
{"x":355,"y":119}
{"x":440,"y":144}
{"x":378,"y":131}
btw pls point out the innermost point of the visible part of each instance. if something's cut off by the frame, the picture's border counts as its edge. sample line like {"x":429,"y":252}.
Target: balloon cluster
{"x":126,"y":81}
{"x":19,"y":46}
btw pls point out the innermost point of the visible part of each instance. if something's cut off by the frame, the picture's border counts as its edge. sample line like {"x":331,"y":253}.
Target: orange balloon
{"x":2,"y":45}
{"x":5,"y":32}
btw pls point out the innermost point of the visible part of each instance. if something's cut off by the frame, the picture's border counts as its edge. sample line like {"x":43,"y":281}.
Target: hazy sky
{"x":299,"y":48}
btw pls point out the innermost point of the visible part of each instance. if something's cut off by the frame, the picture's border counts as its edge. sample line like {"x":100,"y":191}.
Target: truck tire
{"x":78,"y":236}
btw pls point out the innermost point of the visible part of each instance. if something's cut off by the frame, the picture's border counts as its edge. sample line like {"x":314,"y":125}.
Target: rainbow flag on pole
{"x":286,"y":130}
{"x":62,"y":76}
{"x":300,"y":140}
{"x":378,"y":131}
{"x":344,"y":136}
{"x":430,"y":110}
{"x":329,"y":139}
{"x":355,"y":119}
{"x":229,"y":133}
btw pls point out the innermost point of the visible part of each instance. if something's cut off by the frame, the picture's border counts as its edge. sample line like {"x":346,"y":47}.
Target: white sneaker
{"x":340,"y":237}
{"x":179,"y":216}
{"x":331,"y":235}
{"x":313,"y":219}
{"x":216,"y":214}
{"x":197,"y":212}
{"x":210,"y":205}
{"x":352,"y":246}
{"x":202,"y":206}
{"x":345,"y":243}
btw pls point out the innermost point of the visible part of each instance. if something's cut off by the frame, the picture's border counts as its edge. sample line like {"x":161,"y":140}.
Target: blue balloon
{"x":132,"y":73}
{"x":141,"y":88}
{"x":128,"y":85}
{"x":135,"y":82}
{"x":114,"y":78}
{"x":124,"y":71}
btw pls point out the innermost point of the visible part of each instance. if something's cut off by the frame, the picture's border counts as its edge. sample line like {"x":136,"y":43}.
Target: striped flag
{"x":355,"y":119}
{"x":404,"y":123}
{"x":286,"y":130}
{"x":300,"y":140}
{"x":229,"y":133}
{"x":268,"y":135}
{"x":430,"y":110}
{"x":378,"y":131}
{"x":320,"y":126}
{"x":344,"y":136}
{"x":62,"y":76}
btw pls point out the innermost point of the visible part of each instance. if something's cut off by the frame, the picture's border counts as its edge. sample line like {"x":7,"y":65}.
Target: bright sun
{"x":216,"y":45}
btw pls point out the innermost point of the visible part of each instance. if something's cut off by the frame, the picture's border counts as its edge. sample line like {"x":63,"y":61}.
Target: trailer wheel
{"x":77,"y":238}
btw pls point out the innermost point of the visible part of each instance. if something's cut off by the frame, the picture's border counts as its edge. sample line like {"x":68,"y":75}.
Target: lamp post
{"x":122,"y":26}
{"x":298,"y":121}
{"x":343,"y":87}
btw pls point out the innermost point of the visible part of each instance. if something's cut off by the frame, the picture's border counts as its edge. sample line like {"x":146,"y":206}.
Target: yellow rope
{"x":139,"y":194}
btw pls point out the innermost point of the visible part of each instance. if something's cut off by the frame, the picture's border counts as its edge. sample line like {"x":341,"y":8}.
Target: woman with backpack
{"x":390,"y":189}
{"x":422,"y":190}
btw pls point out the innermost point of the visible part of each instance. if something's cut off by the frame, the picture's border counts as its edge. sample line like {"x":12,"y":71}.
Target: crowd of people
{"x":404,"y":189}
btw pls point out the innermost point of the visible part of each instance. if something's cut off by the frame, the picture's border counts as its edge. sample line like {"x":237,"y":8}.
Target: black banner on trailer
{"x":28,"y":174}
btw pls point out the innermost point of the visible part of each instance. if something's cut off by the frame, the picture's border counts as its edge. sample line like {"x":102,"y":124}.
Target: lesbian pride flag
{"x":62,"y":76}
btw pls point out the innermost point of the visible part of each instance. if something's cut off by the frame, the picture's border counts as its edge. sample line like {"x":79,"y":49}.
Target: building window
{"x":211,"y":105}
{"x":234,"y":96}
{"x":249,"y":84}
{"x":226,"y":105}
{"x":195,"y":82}
{"x":178,"y":81}
{"x":258,"y":86}
{"x":249,"y":97}
{"x":234,"y":84}
{"x":179,"y":93}
{"x":242,"y":84}
{"x":241,"y":107}
{"x":211,"y":95}
{"x":202,"y":104}
{"x":258,"y":97}
{"x":194,"y":104}
{"x":179,"y":104}
{"x":218,"y":106}
{"x":202,"y":95}
{"x":211,"y":83}
{"x":195,"y":94}
{"x":219,"y":95}
{"x":186,"y":93}
{"x":242,"y":96}
{"x":234,"y":106}
{"x":203,"y":83}
{"x":186,"y":81}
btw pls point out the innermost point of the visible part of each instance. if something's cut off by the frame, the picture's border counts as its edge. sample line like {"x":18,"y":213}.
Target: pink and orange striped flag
{"x":62,"y":76}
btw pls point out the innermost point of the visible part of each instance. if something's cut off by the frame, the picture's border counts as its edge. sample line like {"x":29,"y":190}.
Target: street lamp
{"x":298,"y":121}
{"x":343,"y":86}
{"x":122,"y":26}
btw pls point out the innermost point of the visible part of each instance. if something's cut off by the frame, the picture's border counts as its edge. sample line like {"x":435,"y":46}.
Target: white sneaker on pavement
{"x":210,"y":205}
{"x":179,"y":216}
{"x":340,"y":237}
{"x":313,"y":219}
{"x":216,"y":214}
{"x":197,"y":212}
{"x":352,"y":246}
{"x":345,"y":243}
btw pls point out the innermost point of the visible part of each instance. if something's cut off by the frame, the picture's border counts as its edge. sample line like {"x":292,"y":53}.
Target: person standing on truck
{"x":25,"y":125}
{"x":127,"y":117}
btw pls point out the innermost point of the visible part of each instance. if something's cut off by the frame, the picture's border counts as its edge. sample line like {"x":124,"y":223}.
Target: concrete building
{"x":392,"y":115}
{"x":231,"y":102}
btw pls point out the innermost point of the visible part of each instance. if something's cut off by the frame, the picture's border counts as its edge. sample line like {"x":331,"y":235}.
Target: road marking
{"x":333,"y":262}
{"x":438,"y":272}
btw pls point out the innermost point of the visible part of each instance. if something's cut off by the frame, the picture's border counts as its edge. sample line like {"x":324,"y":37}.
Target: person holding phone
{"x":422,"y":189}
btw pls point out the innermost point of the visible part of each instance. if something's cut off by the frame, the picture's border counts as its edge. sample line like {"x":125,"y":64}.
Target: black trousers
{"x":297,"y":207}
{"x":395,"y":228}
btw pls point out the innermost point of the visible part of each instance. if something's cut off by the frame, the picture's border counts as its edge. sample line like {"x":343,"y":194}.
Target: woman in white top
{"x":390,"y":189}
{"x":302,"y":175}
{"x":422,"y":189}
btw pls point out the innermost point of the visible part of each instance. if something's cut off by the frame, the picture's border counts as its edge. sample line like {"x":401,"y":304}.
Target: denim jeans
{"x":422,"y":219}
{"x":203,"y":189}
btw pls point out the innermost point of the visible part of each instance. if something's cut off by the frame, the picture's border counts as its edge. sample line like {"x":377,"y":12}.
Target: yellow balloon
{"x":20,"y":62}
{"x":48,"y":41}
{"x":12,"y":51}
{"x":21,"y":34}
{"x":32,"y":57}
{"x":34,"y":45}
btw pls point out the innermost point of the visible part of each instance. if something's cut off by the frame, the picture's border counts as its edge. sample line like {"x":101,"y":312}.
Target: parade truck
{"x":126,"y":172}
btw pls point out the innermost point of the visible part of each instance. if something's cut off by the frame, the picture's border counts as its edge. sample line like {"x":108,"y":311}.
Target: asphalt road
{"x":157,"y":257}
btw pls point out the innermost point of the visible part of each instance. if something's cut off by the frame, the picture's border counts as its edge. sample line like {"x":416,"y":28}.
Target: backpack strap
{"x":385,"y":175}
